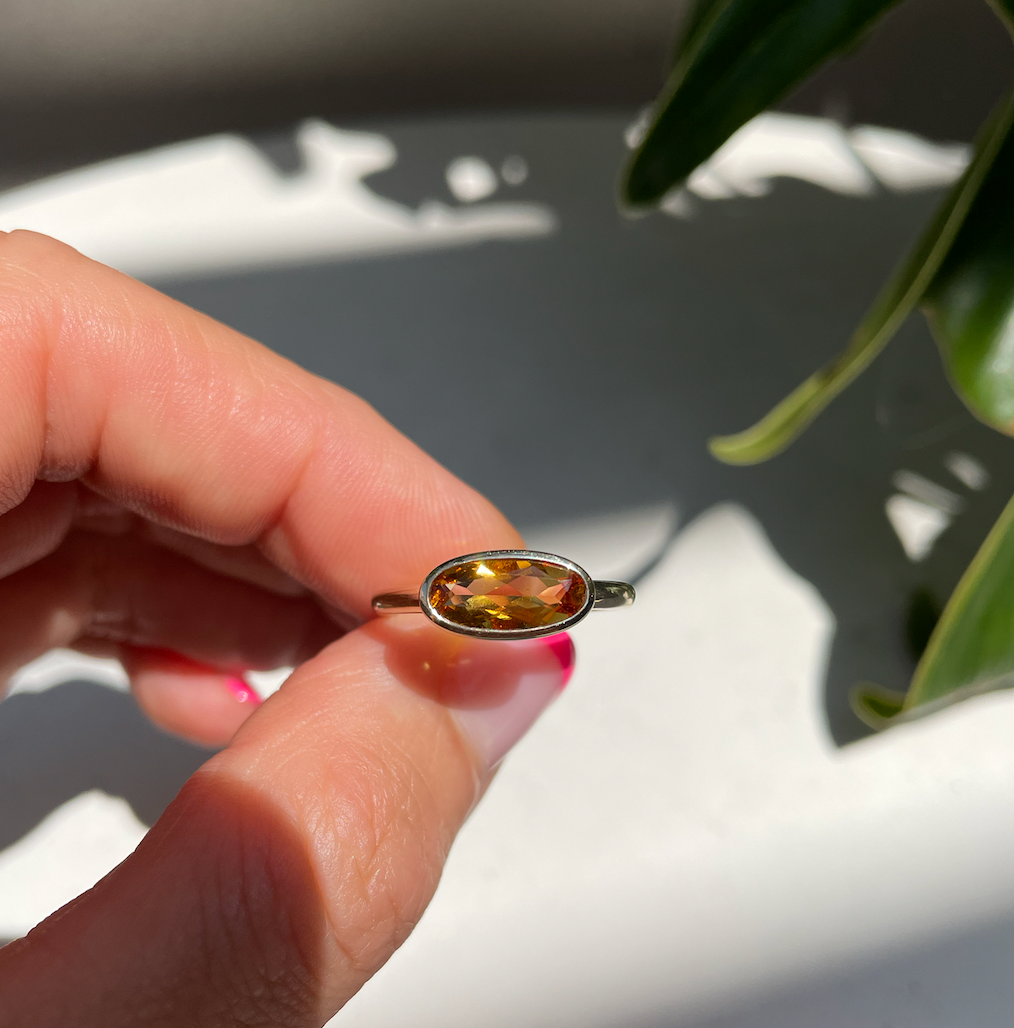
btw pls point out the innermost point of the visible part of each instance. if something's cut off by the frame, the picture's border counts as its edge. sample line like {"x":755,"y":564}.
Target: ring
{"x":506,"y":594}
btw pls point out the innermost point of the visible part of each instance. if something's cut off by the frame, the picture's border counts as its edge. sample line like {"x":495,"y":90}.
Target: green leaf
{"x":1005,"y":12}
{"x":874,"y":705}
{"x":972,"y":649}
{"x":698,"y":22}
{"x":736,"y":58}
{"x":903,"y":291}
{"x":921,"y":620}
{"x":970,"y":303}
{"x":970,"y":306}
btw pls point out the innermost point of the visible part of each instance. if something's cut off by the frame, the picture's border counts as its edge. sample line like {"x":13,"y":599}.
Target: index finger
{"x":189,"y":423}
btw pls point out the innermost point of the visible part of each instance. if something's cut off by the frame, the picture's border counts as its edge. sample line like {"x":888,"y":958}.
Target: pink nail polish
{"x":242,"y":691}
{"x":540,"y":669}
{"x":563,"y":649}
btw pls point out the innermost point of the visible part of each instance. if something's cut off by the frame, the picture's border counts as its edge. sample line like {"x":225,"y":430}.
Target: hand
{"x":181,"y":497}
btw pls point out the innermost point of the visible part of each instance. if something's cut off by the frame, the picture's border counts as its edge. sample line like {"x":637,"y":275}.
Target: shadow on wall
{"x":94,"y":738}
{"x":583,"y":372}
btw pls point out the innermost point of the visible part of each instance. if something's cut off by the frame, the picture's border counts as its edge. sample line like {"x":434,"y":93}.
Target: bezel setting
{"x":507,"y":633}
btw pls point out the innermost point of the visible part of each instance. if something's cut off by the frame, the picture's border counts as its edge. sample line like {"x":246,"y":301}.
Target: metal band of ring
{"x":607,"y":596}
{"x":593,"y":596}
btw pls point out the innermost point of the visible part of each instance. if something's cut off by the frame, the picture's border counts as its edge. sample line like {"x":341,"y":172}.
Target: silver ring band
{"x":506,"y":594}
{"x":607,"y":596}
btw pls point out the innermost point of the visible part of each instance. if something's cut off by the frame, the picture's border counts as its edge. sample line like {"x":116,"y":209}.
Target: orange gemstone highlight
{"x":507,"y":593}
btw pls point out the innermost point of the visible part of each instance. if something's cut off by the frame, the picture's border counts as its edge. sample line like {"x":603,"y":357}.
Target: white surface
{"x":471,"y":179}
{"x":63,"y":666}
{"x":60,"y":666}
{"x":67,"y":853}
{"x":816,"y":150}
{"x":215,"y":204}
{"x":922,"y":511}
{"x":967,"y":470}
{"x":916,"y":523}
{"x":928,"y":491}
{"x":903,"y":161}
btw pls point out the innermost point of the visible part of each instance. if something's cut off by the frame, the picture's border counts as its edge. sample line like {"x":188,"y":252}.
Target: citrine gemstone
{"x":507,"y":593}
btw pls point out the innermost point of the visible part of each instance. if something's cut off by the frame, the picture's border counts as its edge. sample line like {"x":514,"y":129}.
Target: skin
{"x":177,"y":495}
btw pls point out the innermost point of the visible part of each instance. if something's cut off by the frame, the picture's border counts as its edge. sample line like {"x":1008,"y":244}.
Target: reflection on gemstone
{"x":508,"y":593}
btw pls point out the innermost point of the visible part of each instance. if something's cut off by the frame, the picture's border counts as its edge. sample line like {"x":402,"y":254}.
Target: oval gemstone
{"x":507,"y":593}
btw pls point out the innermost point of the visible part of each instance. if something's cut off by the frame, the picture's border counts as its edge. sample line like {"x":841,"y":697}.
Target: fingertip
{"x":495,"y":690}
{"x":562,"y":647}
{"x":243,"y":692}
{"x":187,"y":698}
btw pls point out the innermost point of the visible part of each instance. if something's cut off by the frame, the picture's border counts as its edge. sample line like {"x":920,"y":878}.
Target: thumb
{"x":296,"y":861}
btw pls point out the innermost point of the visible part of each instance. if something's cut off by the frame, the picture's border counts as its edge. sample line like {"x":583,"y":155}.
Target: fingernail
{"x":563,"y":649}
{"x":242,"y":691}
{"x":541,"y":668}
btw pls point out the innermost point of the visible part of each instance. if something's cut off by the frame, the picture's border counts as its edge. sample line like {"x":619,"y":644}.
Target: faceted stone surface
{"x":506,"y":593}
